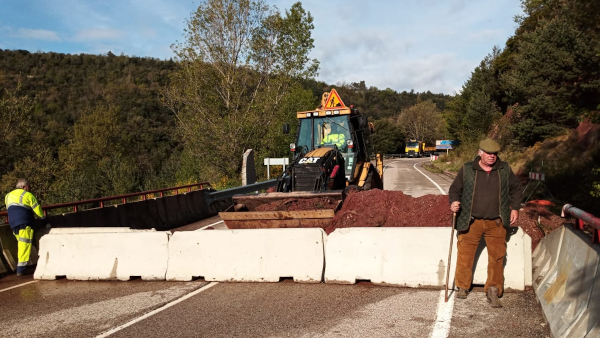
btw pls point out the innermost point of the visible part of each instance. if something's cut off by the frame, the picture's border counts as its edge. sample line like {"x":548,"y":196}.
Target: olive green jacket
{"x":499,"y":188}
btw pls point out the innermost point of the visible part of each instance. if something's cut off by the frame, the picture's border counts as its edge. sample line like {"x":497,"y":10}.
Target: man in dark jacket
{"x":486,"y":194}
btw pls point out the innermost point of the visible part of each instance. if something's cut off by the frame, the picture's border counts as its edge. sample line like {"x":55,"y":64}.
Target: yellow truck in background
{"x":416,"y":148}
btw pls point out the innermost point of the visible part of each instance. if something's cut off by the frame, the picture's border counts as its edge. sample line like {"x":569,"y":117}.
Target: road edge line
{"x":443,"y":319}
{"x":19,"y":285}
{"x":432,"y":181}
{"x":155,"y":311}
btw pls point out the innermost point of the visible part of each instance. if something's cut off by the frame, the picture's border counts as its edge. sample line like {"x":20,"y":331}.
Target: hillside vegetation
{"x":86,"y":126}
{"x":532,"y":96}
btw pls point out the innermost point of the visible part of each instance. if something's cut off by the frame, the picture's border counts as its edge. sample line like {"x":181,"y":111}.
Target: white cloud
{"x":95,"y":34}
{"x":439,"y":73}
{"x":37,"y":34}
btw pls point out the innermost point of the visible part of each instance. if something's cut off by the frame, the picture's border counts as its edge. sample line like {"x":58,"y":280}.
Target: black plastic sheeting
{"x":163,"y":213}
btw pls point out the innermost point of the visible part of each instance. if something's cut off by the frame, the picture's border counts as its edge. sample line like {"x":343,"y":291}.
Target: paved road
{"x":409,"y":176}
{"x":199,"y":309}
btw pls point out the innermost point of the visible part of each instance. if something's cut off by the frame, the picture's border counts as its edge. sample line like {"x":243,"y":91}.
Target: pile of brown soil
{"x":299,"y":204}
{"x":384,"y":208}
{"x":537,"y":221}
{"x":377,"y":208}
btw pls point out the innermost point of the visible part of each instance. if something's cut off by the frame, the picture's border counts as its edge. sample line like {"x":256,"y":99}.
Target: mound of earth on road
{"x":377,"y":208}
{"x":384,"y":208}
{"x":299,"y":204}
{"x":537,"y":221}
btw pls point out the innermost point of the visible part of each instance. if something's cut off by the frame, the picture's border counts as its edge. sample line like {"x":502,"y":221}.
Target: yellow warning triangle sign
{"x":333,"y":100}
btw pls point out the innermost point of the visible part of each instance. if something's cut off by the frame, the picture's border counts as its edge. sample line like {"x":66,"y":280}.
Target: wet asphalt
{"x":66,"y":308}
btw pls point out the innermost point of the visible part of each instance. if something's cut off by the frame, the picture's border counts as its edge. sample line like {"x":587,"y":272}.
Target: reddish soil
{"x":383,"y":208}
{"x":298,"y":204}
{"x":537,"y":221}
{"x":377,"y":208}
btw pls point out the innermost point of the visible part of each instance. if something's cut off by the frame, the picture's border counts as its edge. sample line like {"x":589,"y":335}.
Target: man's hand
{"x":514,"y":216}
{"x":455,"y":206}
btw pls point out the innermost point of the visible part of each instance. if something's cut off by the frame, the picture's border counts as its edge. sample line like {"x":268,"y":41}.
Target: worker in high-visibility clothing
{"x":22,"y":208}
{"x":335,"y":137}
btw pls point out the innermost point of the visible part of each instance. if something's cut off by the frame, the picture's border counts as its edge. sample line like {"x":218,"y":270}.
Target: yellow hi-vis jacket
{"x":338,"y":139}
{"x":22,"y":206}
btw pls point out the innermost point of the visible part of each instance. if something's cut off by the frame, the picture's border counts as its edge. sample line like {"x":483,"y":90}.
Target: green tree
{"x":547,"y":80}
{"x":15,"y":127}
{"x":97,"y":161}
{"x":22,"y":152}
{"x":239,"y":61}
{"x":422,"y":121}
{"x":388,"y":138}
{"x":471,"y":113}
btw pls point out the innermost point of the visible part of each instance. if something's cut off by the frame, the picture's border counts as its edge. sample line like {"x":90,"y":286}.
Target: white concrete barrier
{"x":104,"y":256}
{"x":412,"y":257}
{"x":569,"y":290}
{"x":93,"y":230}
{"x":256,"y":255}
{"x":545,"y":256}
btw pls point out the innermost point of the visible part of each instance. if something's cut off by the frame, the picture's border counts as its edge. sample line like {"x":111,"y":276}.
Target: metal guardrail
{"x":245,"y":189}
{"x":583,"y":218}
{"x":101,"y":201}
{"x":211,"y":197}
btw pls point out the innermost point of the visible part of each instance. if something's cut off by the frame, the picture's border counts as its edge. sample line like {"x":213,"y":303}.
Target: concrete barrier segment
{"x":566,"y":293}
{"x":527,"y":259}
{"x":545,"y":257}
{"x":96,"y":230}
{"x":104,"y":256}
{"x":249,"y":255}
{"x":414,"y":257}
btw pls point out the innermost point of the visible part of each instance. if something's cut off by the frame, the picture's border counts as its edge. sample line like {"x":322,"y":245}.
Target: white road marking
{"x":441,"y":328}
{"x":16,"y":286}
{"x":389,"y":164}
{"x":160,"y":309}
{"x":437,"y":185}
{"x":208,"y":226}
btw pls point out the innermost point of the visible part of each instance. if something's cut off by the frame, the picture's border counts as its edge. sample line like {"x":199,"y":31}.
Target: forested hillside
{"x":85,"y":126}
{"x":534,"y":93}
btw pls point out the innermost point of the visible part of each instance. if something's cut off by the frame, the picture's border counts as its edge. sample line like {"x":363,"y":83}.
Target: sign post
{"x":275,"y":161}
{"x":445,"y":144}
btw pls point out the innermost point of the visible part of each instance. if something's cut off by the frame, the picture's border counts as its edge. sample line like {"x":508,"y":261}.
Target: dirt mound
{"x":383,"y":208}
{"x":377,"y":208}
{"x":299,"y":204}
{"x":537,"y":221}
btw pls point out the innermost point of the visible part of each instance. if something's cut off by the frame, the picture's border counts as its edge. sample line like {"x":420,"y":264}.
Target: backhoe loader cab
{"x":343,"y":129}
{"x":332,"y":149}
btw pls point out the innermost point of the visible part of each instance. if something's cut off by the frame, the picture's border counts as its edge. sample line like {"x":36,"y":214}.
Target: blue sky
{"x":405,"y":44}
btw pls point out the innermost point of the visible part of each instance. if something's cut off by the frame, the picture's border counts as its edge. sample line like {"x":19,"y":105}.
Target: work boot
{"x":461,"y":293}
{"x":20,"y":274}
{"x":492,"y":297}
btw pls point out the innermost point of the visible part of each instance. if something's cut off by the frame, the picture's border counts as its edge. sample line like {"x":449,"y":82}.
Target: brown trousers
{"x":468,"y":241}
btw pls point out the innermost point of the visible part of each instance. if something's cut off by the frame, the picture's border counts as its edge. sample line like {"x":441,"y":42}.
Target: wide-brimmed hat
{"x":489,"y":146}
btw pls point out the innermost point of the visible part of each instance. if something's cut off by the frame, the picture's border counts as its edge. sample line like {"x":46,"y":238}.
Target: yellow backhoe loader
{"x":332,"y":153}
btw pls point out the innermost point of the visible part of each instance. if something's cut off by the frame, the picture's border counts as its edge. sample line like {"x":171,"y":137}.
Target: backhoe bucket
{"x":242,"y":214}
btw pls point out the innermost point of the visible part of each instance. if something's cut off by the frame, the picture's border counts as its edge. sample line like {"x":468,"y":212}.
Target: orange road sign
{"x":333,"y":100}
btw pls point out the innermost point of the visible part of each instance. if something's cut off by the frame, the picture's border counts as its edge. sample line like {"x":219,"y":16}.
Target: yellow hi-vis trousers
{"x":24,"y":235}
